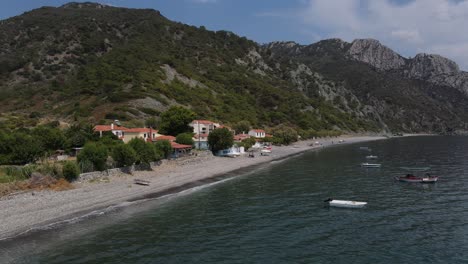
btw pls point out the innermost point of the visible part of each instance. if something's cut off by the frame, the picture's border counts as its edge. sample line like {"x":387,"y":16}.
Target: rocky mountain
{"x":397,"y":93}
{"x":427,"y":67}
{"x":92,"y":62}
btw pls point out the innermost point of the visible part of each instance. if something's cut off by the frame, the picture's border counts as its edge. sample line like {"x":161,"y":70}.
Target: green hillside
{"x":95,"y":63}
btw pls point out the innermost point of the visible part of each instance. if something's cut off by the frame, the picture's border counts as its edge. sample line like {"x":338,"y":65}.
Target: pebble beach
{"x":22,"y":213}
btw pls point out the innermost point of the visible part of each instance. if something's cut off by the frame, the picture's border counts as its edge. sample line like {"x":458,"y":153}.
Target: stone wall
{"x":117,"y":171}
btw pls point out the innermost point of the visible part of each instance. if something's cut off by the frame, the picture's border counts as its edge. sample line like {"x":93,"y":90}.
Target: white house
{"x":201,"y":141}
{"x":203,"y":126}
{"x":258,"y":133}
{"x":119,"y":131}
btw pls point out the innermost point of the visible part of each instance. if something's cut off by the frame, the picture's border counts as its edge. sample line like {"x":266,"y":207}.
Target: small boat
{"x":345,"y":204}
{"x":232,"y":154}
{"x":412,"y":178}
{"x":141,"y":182}
{"x":370,"y":165}
{"x":371,"y":157}
{"x":365,"y":148}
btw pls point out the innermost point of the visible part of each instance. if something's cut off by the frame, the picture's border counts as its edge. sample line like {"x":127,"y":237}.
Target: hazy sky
{"x":407,"y":26}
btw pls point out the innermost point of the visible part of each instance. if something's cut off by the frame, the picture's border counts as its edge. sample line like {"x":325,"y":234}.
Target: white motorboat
{"x":370,"y":165}
{"x":345,"y":204}
{"x":371,"y":157}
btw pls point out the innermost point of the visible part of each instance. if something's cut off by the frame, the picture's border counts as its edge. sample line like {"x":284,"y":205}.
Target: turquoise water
{"x":276,"y":215}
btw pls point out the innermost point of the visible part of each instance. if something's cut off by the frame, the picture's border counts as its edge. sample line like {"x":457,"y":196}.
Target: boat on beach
{"x":370,"y":165}
{"x":141,"y":182}
{"x":345,"y":204}
{"x":415,"y":179}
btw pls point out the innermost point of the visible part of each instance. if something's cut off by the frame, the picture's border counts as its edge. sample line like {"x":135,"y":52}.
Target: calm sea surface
{"x":276,"y":215}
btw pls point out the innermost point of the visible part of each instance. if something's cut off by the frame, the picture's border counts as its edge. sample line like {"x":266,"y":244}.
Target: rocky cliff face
{"x":366,"y":79}
{"x":427,"y":67}
{"x":374,"y":53}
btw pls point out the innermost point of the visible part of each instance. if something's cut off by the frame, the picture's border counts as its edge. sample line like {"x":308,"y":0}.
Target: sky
{"x":406,"y":26}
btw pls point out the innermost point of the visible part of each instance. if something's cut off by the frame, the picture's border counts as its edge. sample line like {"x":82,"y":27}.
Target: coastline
{"x":25,"y":212}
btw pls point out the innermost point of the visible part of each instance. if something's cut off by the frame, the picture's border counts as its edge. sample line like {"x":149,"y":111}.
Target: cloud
{"x":408,"y":27}
{"x":411,"y":36}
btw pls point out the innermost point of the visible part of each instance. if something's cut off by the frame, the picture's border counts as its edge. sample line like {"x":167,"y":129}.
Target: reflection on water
{"x":277,"y":215}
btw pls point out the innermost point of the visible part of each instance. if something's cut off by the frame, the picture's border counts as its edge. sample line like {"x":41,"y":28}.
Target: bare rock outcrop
{"x":425,"y":66}
{"x":372,"y":52}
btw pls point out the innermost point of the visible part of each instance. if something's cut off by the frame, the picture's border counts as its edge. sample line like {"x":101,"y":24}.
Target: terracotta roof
{"x":239,"y":137}
{"x":137,"y":130}
{"x":108,"y":128}
{"x":204,"y":122}
{"x":268,"y":135}
{"x":180,"y":146}
{"x":223,"y":126}
{"x":258,"y":130}
{"x":170,"y":138}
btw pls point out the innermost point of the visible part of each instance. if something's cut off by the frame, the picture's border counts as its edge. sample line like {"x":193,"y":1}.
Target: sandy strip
{"x":20,"y":213}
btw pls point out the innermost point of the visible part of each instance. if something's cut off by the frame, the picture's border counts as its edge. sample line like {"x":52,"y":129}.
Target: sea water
{"x":276,"y":214}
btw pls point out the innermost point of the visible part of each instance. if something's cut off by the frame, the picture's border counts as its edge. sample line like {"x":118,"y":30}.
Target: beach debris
{"x":141,"y":182}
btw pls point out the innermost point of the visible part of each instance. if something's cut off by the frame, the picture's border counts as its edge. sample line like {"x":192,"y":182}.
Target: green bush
{"x":175,"y":120}
{"x":220,"y":139}
{"x":145,"y":152}
{"x":124,"y":155}
{"x":70,"y":171}
{"x":163,"y":148}
{"x":94,"y":153}
{"x":285,"y":135}
{"x":185,"y":138}
{"x":248,"y":143}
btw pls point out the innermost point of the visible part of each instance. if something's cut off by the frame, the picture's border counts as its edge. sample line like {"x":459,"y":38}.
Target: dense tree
{"x":220,"y":139}
{"x":124,"y":155}
{"x":248,"y":143}
{"x":152,"y":122}
{"x":70,"y":170}
{"x":175,"y":121}
{"x":242,"y":127}
{"x":78,"y":135}
{"x":94,"y":153}
{"x":285,"y":135}
{"x":51,"y":138}
{"x":145,"y":151}
{"x":185,"y":138}
{"x":22,"y":148}
{"x":164,"y":148}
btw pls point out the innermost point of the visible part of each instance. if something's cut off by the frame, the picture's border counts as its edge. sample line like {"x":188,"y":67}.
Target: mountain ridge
{"x":87,"y":61}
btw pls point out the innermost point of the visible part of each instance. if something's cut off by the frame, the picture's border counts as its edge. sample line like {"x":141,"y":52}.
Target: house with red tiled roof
{"x":148,"y":134}
{"x":240,"y":137}
{"x":115,"y":129}
{"x":258,"y":133}
{"x":179,"y":150}
{"x":163,"y":137}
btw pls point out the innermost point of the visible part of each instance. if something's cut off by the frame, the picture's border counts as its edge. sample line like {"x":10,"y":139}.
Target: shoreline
{"x":26,"y":213}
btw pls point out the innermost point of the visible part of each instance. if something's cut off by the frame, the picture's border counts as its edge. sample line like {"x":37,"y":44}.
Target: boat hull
{"x":370,"y":165}
{"x":418,"y":179}
{"x":346,"y":204}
